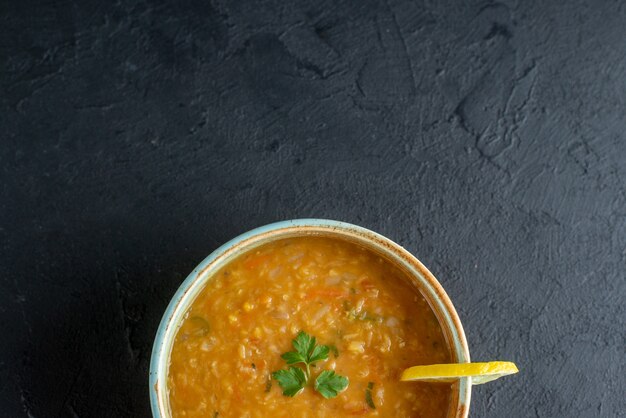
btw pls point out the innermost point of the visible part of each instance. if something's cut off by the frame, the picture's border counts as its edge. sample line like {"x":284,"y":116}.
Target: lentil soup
{"x":358,"y":304}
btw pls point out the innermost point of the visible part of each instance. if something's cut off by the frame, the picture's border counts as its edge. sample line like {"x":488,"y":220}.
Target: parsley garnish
{"x":329,"y":384}
{"x":307,"y":352}
{"x":293,"y":380}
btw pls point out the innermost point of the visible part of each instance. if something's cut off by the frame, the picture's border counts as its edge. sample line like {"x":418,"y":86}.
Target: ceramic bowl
{"x":195,"y":282}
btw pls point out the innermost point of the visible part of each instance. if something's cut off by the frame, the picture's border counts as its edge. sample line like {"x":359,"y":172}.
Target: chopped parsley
{"x":368,"y":395}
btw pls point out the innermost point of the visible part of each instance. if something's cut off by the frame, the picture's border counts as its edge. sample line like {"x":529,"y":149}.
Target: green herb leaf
{"x":292,"y":357}
{"x":368,"y":395}
{"x":304,"y":344}
{"x":201,"y":327}
{"x":329,"y":384}
{"x":373,"y":318}
{"x":320,"y":352}
{"x":292,"y":381}
{"x":307,"y":351}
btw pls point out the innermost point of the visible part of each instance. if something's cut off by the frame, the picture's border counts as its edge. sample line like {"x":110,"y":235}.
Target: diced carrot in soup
{"x":347,"y":297}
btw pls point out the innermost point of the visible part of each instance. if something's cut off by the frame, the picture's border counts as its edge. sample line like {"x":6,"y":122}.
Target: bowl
{"x":424,"y":280}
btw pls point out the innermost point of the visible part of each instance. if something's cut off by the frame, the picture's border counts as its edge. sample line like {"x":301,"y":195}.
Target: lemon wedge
{"x":479,"y":372}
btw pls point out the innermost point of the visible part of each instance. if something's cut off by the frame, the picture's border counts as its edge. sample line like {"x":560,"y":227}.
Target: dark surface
{"x":487,"y":138}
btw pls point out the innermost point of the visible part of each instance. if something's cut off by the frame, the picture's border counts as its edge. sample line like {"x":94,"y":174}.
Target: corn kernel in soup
{"x":348,"y":298}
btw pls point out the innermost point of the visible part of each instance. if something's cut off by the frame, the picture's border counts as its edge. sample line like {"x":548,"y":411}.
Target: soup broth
{"x":360,"y":305}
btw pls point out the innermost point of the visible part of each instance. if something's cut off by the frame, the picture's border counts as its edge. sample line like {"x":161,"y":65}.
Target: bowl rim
{"x":195,"y":281}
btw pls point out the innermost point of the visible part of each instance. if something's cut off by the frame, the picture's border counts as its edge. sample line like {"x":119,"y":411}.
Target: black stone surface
{"x":486,"y":137}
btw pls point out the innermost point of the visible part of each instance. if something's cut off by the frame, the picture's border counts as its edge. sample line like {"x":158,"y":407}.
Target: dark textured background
{"x":487,"y":138}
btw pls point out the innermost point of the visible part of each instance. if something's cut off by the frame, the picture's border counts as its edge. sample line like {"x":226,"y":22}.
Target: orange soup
{"x":226,"y":358}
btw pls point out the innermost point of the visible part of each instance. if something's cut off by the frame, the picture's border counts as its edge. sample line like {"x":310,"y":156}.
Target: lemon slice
{"x":479,"y":372}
